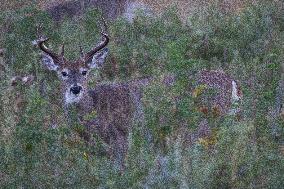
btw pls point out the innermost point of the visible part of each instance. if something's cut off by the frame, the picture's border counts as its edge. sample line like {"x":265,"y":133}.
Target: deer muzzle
{"x":75,"y":90}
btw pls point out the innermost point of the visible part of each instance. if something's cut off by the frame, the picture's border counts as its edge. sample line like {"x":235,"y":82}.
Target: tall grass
{"x":39,"y":150}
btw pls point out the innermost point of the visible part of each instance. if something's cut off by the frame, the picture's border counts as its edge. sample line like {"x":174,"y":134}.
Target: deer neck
{"x":83,"y":106}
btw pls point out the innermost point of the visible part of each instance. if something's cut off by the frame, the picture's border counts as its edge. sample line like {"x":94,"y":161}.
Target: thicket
{"x":39,"y":150}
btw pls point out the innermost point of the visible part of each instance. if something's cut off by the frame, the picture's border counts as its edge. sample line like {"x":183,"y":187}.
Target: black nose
{"x":76,"y":90}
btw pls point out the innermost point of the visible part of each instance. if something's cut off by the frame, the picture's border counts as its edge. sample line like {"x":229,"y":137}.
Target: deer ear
{"x":99,"y":58}
{"x":48,"y":62}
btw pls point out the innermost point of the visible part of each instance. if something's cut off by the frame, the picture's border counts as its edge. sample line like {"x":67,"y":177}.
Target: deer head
{"x":74,"y":74}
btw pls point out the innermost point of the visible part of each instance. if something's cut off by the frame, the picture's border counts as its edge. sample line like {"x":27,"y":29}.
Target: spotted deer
{"x":115,"y":105}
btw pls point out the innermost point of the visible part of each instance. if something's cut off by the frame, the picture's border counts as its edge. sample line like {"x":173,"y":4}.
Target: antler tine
{"x":104,"y":24}
{"x":102,"y":45}
{"x":62,"y":50}
{"x":81,"y":51}
{"x":39,"y":30}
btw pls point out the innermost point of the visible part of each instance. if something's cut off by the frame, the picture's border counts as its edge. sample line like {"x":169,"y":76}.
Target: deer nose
{"x":76,"y":89}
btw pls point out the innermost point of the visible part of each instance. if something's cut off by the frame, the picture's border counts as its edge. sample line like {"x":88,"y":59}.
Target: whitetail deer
{"x":225,"y":100}
{"x":115,"y":104}
{"x":228,"y":92}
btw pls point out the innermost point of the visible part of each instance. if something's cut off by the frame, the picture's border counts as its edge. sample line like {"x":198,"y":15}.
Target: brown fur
{"x":115,"y":107}
{"x":221,"y":103}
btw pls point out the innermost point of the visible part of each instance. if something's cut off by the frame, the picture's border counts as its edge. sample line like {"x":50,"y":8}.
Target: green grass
{"x":39,"y":150}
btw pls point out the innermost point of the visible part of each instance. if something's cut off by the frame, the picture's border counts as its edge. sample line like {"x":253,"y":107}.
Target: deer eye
{"x":84,"y":72}
{"x":64,"y":74}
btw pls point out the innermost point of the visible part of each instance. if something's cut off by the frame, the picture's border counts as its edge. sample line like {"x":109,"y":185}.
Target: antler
{"x":40,"y":43}
{"x":81,"y":52}
{"x":53,"y":55}
{"x":62,"y":50}
{"x":102,"y":45}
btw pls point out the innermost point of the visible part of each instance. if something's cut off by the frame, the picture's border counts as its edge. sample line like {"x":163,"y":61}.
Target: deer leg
{"x":93,"y":127}
{"x":86,"y":136}
{"x":122,"y":147}
{"x":119,"y":146}
{"x":139,"y":116}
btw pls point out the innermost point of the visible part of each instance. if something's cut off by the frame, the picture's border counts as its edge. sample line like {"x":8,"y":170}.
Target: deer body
{"x":113,"y":104}
{"x":228,"y":90}
{"x":114,"y":108}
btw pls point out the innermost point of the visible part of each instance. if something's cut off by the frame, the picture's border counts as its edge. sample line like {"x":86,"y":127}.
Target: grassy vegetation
{"x":39,"y":150}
